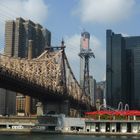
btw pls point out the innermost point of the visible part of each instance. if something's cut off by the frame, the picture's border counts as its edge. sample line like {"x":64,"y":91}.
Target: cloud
{"x":104,"y":11}
{"x":125,"y":34}
{"x":1,"y":37}
{"x":36,"y":10}
{"x":72,"y":51}
{"x":97,"y":65}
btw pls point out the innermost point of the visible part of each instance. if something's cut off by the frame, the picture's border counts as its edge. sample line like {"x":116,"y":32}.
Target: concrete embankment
{"x":27,"y":131}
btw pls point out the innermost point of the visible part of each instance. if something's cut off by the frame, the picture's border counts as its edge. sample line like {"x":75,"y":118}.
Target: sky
{"x":68,"y":18}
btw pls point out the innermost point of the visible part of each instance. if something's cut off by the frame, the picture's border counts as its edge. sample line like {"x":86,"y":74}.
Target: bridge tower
{"x":85,"y":54}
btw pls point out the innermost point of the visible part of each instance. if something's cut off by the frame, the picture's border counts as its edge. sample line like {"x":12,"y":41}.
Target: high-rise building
{"x":20,"y":103}
{"x":92,"y":89}
{"x":100,"y":91}
{"x":7,"y":102}
{"x":17,"y":35}
{"x":123,"y":66}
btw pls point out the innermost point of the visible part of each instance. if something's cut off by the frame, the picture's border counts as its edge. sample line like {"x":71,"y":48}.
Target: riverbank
{"x":60,"y":124}
{"x":27,"y":131}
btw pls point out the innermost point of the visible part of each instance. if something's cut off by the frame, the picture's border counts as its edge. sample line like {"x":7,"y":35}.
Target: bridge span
{"x":48,"y":78}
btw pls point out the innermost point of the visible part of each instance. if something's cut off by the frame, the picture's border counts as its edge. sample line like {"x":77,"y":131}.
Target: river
{"x":64,"y":137}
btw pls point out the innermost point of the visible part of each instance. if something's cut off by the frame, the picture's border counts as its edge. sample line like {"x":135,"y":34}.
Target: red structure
{"x":114,"y":113}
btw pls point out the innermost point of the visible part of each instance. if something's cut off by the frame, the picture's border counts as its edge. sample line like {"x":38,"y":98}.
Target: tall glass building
{"x":123,"y":70}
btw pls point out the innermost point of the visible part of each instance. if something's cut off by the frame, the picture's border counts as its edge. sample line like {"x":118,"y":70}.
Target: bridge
{"x":48,"y":78}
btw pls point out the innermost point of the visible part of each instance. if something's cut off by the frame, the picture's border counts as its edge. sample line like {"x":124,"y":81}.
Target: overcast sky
{"x":68,"y":18}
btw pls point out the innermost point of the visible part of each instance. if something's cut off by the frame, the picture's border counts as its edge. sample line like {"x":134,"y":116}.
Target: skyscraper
{"x":100,"y":91}
{"x":7,"y":102}
{"x":122,"y":73}
{"x":92,"y":90}
{"x":17,"y":35}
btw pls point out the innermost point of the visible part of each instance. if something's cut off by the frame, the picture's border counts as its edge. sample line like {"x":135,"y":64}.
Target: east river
{"x":64,"y":137}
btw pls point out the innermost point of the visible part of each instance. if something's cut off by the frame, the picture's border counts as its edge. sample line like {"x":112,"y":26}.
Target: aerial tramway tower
{"x":85,"y":54}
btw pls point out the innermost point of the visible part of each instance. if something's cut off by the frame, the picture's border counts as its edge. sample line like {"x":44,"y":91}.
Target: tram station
{"x":124,"y":121}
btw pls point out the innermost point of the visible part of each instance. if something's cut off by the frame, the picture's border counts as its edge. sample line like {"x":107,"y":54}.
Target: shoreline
{"x":27,"y":131}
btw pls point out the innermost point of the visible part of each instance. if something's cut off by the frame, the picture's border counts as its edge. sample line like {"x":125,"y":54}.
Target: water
{"x":64,"y":137}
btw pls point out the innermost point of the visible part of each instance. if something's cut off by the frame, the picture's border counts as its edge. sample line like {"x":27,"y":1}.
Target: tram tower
{"x":85,"y":54}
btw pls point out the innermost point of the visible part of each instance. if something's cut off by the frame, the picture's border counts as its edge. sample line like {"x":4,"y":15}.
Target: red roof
{"x":115,"y":112}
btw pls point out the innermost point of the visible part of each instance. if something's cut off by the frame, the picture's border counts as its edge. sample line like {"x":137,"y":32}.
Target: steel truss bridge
{"x":47,"y":77}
